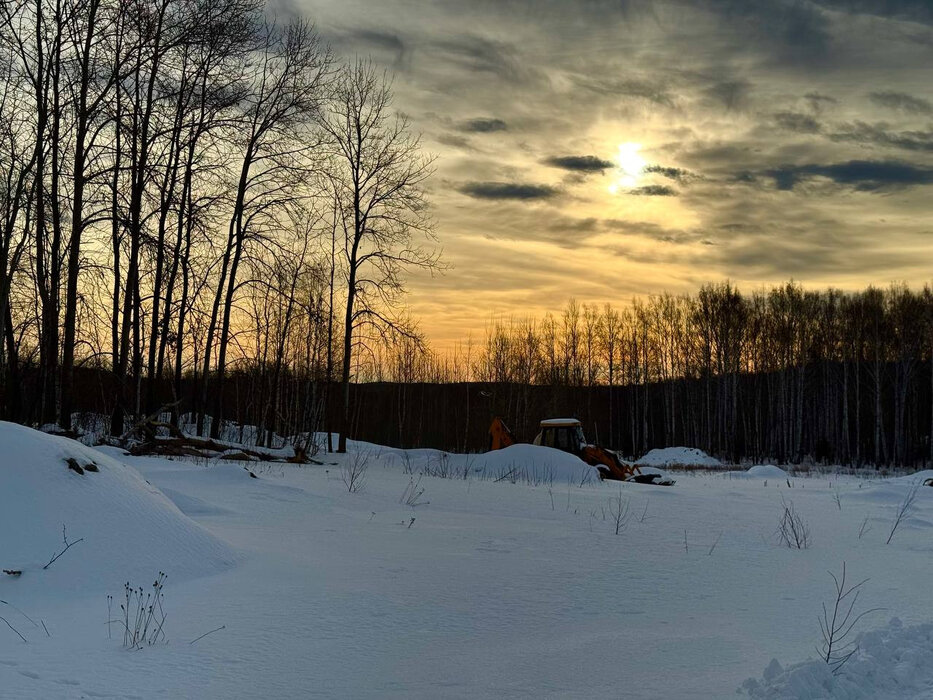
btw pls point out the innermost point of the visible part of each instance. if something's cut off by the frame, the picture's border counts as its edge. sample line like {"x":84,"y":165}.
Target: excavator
{"x":566,"y":434}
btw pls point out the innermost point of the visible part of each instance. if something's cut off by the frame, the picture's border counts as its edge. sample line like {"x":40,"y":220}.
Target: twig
{"x":836,"y":627}
{"x":20,"y":612}
{"x":68,"y":545}
{"x":14,"y":629}
{"x":222,"y":627}
{"x":710,"y":552}
{"x":865,"y":527}
{"x":905,"y":510}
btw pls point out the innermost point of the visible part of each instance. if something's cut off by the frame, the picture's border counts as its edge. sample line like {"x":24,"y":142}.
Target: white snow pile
{"x":678,"y":457}
{"x":128,"y":530}
{"x":759,"y":471}
{"x":534,"y":464}
{"x":891,"y":662}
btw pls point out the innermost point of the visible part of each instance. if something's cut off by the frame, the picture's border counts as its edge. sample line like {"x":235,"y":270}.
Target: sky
{"x":606,"y":149}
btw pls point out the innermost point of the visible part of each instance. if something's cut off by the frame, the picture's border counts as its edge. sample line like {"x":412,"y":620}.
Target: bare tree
{"x":275,"y":144}
{"x":378,"y":172}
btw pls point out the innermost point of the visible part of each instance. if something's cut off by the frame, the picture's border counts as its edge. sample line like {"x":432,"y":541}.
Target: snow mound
{"x":759,"y":471}
{"x":893,"y":492}
{"x":129,"y":529}
{"x":678,"y":457}
{"x":891,"y":662}
{"x":535,"y":464}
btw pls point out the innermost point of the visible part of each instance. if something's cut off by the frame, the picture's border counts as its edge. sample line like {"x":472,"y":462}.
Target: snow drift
{"x":535,"y":464}
{"x":129,"y":530}
{"x":891,"y":662}
{"x":759,"y":471}
{"x":678,"y":457}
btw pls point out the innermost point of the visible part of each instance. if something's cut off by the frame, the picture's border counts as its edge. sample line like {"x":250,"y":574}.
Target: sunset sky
{"x":605,"y":149}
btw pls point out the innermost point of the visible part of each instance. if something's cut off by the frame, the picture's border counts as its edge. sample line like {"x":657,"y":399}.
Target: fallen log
{"x":188,"y":446}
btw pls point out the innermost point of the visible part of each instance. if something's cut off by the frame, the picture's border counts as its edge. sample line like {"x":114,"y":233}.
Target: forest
{"x":191,"y":187}
{"x":203,"y":211}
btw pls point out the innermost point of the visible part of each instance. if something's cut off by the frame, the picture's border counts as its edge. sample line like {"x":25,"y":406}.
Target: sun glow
{"x":630,"y":166}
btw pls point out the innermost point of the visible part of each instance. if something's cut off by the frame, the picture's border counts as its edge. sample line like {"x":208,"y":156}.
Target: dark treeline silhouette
{"x":786,"y":374}
{"x":190,"y":188}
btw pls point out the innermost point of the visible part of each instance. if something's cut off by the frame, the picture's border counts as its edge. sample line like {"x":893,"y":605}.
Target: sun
{"x":630,"y":167}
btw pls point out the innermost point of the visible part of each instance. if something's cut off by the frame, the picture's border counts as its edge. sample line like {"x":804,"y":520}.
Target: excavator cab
{"x":564,"y":434}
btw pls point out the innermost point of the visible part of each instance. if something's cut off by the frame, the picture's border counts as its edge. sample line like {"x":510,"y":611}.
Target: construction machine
{"x":566,"y":434}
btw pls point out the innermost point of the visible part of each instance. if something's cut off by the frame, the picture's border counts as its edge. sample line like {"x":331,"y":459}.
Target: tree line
{"x":190,"y":188}
{"x":785,"y":374}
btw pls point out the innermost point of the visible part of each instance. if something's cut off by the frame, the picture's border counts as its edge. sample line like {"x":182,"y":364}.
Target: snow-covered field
{"x":502,"y":577}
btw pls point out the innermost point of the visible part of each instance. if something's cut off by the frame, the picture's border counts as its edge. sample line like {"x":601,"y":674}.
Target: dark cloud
{"x":902,"y":102}
{"x":482,"y":126}
{"x":677,"y":174}
{"x":797,"y":32}
{"x":373,"y":40}
{"x":484,"y":55}
{"x":455,"y":141}
{"x":863,"y":175}
{"x":654,"y":191}
{"x":818,"y":101}
{"x":583,"y":164}
{"x":508,"y":190}
{"x":732,"y":94}
{"x":654,"y":231}
{"x":881,"y":135}
{"x":644,"y":89}
{"x":798,"y":122}
{"x":913,"y":10}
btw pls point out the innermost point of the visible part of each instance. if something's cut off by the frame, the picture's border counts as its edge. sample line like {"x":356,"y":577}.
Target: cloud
{"x":797,"y":32}
{"x":455,"y":141}
{"x":913,"y":10}
{"x":482,"y":126}
{"x":373,"y":40}
{"x":644,"y":89}
{"x":508,"y":190}
{"x":654,"y":191}
{"x":732,"y":94}
{"x":677,"y":174}
{"x":818,"y":101}
{"x":654,"y":231}
{"x":902,"y":102}
{"x":879,"y":135}
{"x":863,"y":175}
{"x":483,"y":55}
{"x":797,"y":122}
{"x":583,"y":164}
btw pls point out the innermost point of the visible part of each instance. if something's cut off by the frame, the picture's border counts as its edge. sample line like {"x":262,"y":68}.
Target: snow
{"x":129,"y":528}
{"x":678,"y":457}
{"x":536,"y":463}
{"x":759,"y":471}
{"x":483,"y":587}
{"x":890,"y":662}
